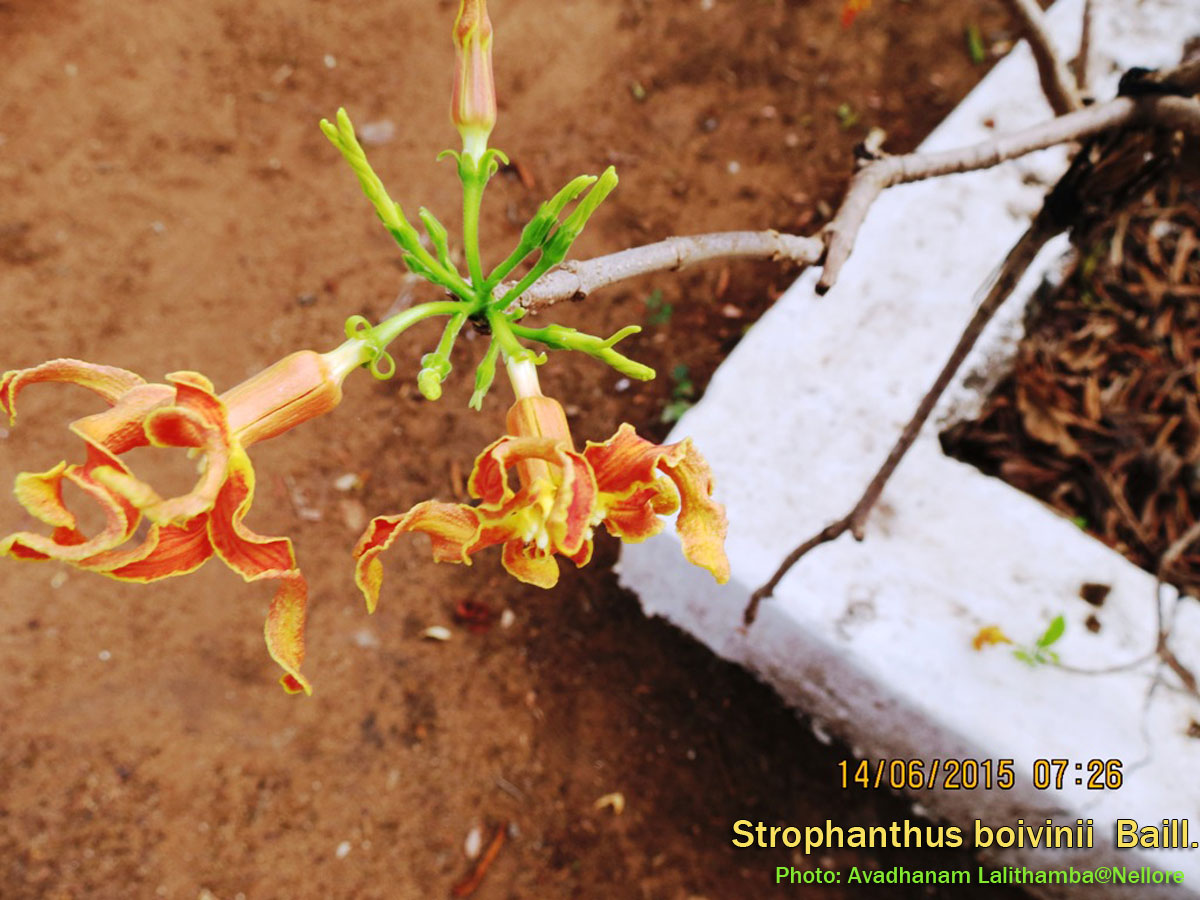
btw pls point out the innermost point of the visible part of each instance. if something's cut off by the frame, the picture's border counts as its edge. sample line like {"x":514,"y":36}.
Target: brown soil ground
{"x":167,"y":202}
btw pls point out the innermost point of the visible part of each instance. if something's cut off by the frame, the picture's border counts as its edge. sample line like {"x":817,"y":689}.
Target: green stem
{"x":514,"y":259}
{"x":390,"y":329}
{"x":502,"y":333}
{"x":453,"y":327}
{"x":473,"y":184}
{"x":539,"y":269}
{"x":447,"y":278}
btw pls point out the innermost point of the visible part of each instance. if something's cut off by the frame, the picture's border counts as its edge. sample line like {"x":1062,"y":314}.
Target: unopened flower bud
{"x":434,"y":369}
{"x":473,"y":105}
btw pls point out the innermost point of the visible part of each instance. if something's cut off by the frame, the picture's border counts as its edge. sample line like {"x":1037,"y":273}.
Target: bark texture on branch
{"x":1058,"y":84}
{"x":575,"y":280}
{"x":872,"y":180}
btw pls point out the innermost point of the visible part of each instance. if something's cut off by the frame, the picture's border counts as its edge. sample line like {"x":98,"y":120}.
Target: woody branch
{"x":576,"y":280}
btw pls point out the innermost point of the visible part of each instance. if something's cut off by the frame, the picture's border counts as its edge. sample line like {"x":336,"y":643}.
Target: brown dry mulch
{"x":1100,"y":416}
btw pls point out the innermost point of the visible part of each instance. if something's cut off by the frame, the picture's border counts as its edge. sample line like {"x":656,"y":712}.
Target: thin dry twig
{"x":1082,"y":68}
{"x":1058,"y":84}
{"x":1169,"y":558}
{"x":470,"y":884}
{"x":1019,"y":259}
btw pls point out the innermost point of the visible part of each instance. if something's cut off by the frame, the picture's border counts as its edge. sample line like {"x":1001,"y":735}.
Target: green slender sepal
{"x":390,"y":213}
{"x":560,"y":242}
{"x":560,"y":337}
{"x":485,"y":374}
{"x":438,"y":236}
{"x":343,"y":137}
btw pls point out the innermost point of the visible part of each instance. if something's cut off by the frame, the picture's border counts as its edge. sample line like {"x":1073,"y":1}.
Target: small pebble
{"x":734,"y":167}
{"x":104,"y":655}
{"x":354,"y":514}
{"x":347,"y":482}
{"x":622,"y":385}
{"x":507,"y":618}
{"x":615,"y":800}
{"x":330,"y":61}
{"x":473,"y":845}
{"x":343,"y":850}
{"x":437,"y":633}
{"x":376,"y":133}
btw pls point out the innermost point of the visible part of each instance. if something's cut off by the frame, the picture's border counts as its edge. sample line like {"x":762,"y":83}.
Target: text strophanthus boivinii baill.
{"x":625,"y":483}
{"x":186,"y":530}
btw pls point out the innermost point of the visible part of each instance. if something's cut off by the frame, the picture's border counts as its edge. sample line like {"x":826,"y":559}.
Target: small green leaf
{"x":847,"y":116}
{"x":657,"y":311}
{"x":684,"y":389}
{"x":975,"y":47}
{"x":1053,"y":632}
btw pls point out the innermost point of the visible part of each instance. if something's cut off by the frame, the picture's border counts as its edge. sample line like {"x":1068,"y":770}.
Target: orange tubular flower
{"x":186,"y":530}
{"x":626,"y":483}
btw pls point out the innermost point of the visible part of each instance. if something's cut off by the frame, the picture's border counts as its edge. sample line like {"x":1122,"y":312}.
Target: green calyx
{"x":476,"y":297}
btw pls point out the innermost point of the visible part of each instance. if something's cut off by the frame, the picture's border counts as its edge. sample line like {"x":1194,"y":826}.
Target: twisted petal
{"x":256,"y":558}
{"x":197,"y":420}
{"x":633,"y":495}
{"x":107,"y":381}
{"x":41,"y":495}
{"x":527,"y":563}
{"x":167,"y":550}
{"x":106,"y":434}
{"x":635,"y":517}
{"x":454,"y":529}
{"x":574,"y":484}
